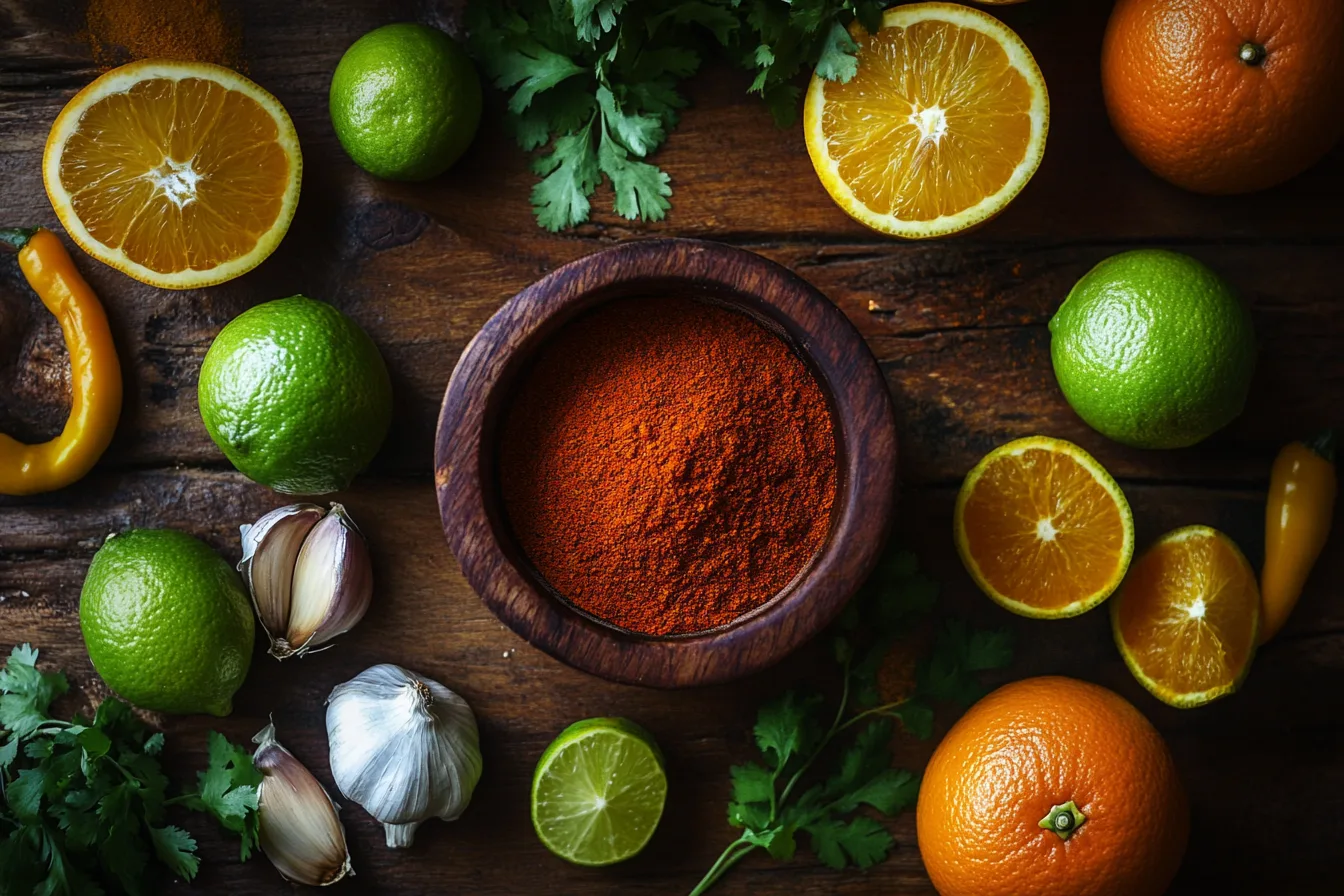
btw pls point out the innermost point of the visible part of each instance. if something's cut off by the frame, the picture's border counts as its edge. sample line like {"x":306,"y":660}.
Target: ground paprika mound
{"x":668,"y":464}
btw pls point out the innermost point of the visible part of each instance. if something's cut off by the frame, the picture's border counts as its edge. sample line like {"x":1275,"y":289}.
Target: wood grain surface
{"x":958,"y":327}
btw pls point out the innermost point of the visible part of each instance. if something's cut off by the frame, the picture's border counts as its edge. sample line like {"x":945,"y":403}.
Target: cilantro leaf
{"x":958,"y":653}
{"x":754,"y":816}
{"x":641,"y":189}
{"x":26,"y":692}
{"x":656,"y":96}
{"x":641,"y":134}
{"x":680,"y":62}
{"x":784,"y":726}
{"x":867,"y":757}
{"x":989,"y":650}
{"x":778,"y":841}
{"x":532,"y":69}
{"x":83,"y":803}
{"x":890,"y":791}
{"x":176,"y":849}
{"x":570,"y":175}
{"x":9,"y":751}
{"x":916,"y":718}
{"x":24,"y":793}
{"x":752,"y":783}
{"x":124,"y":855}
{"x":720,"y":22}
{"x":862,"y":841}
{"x":869,"y":14}
{"x":594,"y":18}
{"x":637,"y":52}
{"x":229,"y":789}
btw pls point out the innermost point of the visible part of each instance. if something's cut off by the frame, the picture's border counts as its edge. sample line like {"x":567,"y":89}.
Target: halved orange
{"x":1188,"y":617}
{"x":1043,"y":529}
{"x":180,"y":174}
{"x":939,"y":129}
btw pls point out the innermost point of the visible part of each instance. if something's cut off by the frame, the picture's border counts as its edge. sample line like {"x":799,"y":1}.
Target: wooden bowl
{"x":478,"y":532}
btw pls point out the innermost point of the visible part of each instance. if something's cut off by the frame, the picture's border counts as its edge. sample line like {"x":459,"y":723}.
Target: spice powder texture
{"x":668,"y":465}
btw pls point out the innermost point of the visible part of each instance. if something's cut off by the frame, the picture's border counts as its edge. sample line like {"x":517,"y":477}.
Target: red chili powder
{"x":668,"y":464}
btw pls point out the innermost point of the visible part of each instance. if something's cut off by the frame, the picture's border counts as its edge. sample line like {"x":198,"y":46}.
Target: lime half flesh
{"x":598,"y":792}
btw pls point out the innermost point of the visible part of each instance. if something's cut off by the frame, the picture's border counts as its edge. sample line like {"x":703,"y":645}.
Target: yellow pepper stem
{"x":95,"y":374}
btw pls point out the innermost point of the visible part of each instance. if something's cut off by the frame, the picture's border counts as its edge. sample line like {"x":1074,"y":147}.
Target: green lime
{"x":1153,"y":349}
{"x":405,"y":102}
{"x":296,"y":396}
{"x":598,"y":792}
{"x":167,"y":622}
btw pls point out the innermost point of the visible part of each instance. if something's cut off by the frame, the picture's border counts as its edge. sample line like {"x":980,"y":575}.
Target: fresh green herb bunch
{"x":83,"y":803}
{"x":596,"y":82}
{"x":784,"y":794}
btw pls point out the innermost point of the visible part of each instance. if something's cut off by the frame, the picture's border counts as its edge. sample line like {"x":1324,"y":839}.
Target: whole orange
{"x":1225,"y":96}
{"x":1052,"y":786}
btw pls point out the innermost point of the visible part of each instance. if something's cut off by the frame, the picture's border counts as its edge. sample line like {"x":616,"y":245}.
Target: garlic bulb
{"x":403,"y":747}
{"x":298,"y":825}
{"x":309,"y":574}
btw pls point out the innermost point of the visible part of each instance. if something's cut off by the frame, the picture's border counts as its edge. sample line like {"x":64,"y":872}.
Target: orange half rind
{"x":179,"y":174}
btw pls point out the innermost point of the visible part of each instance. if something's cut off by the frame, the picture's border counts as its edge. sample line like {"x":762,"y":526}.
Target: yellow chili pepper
{"x":1298,"y":514}
{"x":95,"y":375}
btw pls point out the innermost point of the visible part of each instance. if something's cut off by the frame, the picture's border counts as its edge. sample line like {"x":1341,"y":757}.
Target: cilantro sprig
{"x":83,"y":803}
{"x":785,"y":794}
{"x":594,"y":84}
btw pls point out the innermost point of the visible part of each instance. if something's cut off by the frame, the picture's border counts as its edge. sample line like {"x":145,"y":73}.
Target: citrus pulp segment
{"x":1188,"y":617}
{"x":598,"y":792}
{"x":179,"y":174}
{"x":942,"y":124}
{"x":1043,"y":529}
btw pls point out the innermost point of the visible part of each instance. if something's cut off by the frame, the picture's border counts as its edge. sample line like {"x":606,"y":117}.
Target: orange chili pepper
{"x":1298,"y":514}
{"x":95,"y":374}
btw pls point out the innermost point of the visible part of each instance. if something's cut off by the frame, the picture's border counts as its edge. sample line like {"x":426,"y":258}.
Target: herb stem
{"x":884,"y":709}
{"x":836,"y":728}
{"x":738,"y":850}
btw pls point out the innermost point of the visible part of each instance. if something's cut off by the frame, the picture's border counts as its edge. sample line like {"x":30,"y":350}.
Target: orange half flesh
{"x":179,"y":174}
{"x":1043,"y":529}
{"x":1187,"y":619}
{"x":941,"y":126}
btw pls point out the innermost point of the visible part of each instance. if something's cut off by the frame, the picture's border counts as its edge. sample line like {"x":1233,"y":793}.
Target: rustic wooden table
{"x":959,"y":328}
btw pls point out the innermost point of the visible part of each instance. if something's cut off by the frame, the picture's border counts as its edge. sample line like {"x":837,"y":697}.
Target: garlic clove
{"x":299,"y":825}
{"x":333,"y":583}
{"x":270,"y":552}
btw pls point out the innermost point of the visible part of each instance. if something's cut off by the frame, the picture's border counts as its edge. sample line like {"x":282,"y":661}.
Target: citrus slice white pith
{"x":940,"y":128}
{"x":180,"y":174}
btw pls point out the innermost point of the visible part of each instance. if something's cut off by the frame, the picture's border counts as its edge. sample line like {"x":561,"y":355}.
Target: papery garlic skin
{"x":333,"y":583}
{"x":270,"y":550}
{"x":309,"y":573}
{"x":404,"y":747}
{"x":299,"y":826}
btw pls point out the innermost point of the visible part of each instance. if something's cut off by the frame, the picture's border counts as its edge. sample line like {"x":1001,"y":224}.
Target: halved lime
{"x":598,"y":792}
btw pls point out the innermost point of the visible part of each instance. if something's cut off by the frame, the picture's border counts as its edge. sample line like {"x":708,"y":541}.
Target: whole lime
{"x":167,"y":622}
{"x":405,"y":102}
{"x":296,"y":396}
{"x":1153,"y":349}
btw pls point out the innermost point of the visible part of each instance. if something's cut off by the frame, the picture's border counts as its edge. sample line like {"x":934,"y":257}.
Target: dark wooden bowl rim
{"x":477,"y":393}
